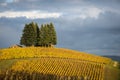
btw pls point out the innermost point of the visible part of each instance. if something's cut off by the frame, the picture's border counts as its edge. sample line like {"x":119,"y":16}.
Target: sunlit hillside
{"x":36,"y":63}
{"x":36,"y":52}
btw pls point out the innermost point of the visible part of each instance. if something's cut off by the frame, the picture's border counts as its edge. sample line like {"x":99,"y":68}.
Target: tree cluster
{"x":35,"y":36}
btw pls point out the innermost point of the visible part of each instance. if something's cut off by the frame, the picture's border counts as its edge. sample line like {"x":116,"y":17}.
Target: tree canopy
{"x":35,"y":36}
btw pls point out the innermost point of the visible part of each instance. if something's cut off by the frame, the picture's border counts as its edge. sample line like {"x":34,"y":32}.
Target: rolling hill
{"x":38,"y":63}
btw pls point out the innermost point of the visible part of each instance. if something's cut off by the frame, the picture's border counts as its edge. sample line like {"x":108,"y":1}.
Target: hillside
{"x":54,"y":64}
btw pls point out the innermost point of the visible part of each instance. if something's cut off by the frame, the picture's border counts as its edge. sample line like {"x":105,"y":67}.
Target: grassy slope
{"x":112,"y":73}
{"x":5,"y":64}
{"x":58,"y":52}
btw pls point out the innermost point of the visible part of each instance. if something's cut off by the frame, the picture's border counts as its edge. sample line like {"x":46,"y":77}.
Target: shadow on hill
{"x":23,"y":75}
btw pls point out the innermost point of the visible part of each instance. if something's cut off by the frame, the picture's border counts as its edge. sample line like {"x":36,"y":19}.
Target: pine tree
{"x":30,"y":35}
{"x":53,"y":36}
{"x":33,"y":36}
{"x":41,"y":34}
{"x":43,"y":40}
{"x":47,"y":35}
{"x":36,"y":29}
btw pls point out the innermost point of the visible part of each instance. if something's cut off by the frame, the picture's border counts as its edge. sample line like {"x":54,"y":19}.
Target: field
{"x":36,"y":63}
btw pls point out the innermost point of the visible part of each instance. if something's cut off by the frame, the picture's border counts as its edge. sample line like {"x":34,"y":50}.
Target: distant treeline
{"x":116,"y":58}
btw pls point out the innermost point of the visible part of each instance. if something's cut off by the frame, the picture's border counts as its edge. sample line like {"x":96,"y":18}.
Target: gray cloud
{"x":2,"y":1}
{"x":94,"y":35}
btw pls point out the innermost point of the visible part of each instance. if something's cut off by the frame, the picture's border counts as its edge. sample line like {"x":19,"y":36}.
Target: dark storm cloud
{"x":94,"y":36}
{"x":10,"y":31}
{"x":85,"y":25}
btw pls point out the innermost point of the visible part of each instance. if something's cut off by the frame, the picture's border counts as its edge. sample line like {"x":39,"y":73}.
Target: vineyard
{"x":35,"y":63}
{"x":50,"y":52}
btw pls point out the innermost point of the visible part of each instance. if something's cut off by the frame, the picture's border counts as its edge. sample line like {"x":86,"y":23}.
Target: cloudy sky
{"x":91,"y":26}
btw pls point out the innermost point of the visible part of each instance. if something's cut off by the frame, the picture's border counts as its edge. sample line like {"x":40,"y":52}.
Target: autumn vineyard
{"x":40,"y":63}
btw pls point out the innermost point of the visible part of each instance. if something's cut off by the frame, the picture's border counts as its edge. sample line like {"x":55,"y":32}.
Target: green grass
{"x":112,"y":73}
{"x":6,"y":64}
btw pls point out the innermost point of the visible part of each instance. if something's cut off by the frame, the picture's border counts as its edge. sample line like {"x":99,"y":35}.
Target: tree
{"x":41,"y":36}
{"x":53,"y":36}
{"x":30,"y":35}
{"x":47,"y":35}
{"x":36,"y":29}
{"x":33,"y":36}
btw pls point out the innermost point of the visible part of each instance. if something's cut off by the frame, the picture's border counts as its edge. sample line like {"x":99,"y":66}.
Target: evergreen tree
{"x":36,"y":30}
{"x":33,"y":36}
{"x":41,"y":34}
{"x":30,"y":35}
{"x":47,"y":35}
{"x":44,"y":37}
{"x":53,"y":36}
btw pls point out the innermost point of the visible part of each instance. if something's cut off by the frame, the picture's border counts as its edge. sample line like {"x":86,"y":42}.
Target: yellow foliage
{"x":62,"y":67}
{"x":37,"y":52}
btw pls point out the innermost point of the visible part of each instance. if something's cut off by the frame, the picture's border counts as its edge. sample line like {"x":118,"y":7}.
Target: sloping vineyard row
{"x":62,"y":67}
{"x":50,"y":52}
